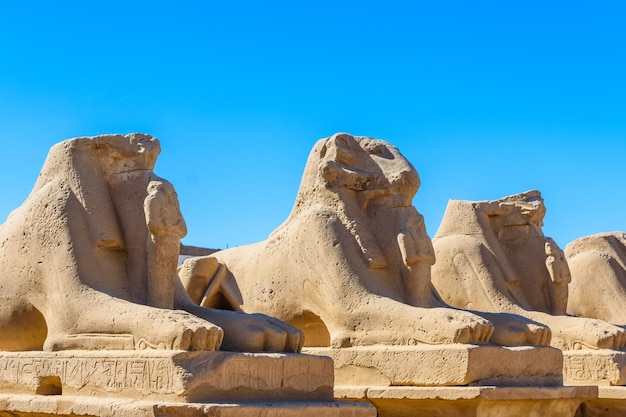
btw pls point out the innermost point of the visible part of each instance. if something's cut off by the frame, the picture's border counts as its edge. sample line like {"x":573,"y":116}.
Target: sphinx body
{"x":598,"y":267}
{"x":493,"y":256}
{"x":89,"y":261}
{"x":351,"y":264}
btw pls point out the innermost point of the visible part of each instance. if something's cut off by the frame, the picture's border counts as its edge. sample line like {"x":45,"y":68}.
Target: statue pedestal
{"x":605,"y":368}
{"x":611,"y":402}
{"x":169,"y":383}
{"x":594,"y":367}
{"x":483,"y":401}
{"x":443,"y":365}
{"x":432,"y":381}
{"x":21,"y":405}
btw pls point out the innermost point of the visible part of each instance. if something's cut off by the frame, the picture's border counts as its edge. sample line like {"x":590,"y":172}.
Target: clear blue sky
{"x":486,"y":98}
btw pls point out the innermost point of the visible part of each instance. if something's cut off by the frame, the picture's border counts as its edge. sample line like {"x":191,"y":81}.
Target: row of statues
{"x":101,"y":230}
{"x":90,"y":262}
{"x":353,"y":265}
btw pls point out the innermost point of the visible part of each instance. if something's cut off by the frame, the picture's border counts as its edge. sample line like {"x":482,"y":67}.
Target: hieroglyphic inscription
{"x":256,"y":377}
{"x":146,"y":375}
{"x":591,"y":368}
{"x":272,"y":374}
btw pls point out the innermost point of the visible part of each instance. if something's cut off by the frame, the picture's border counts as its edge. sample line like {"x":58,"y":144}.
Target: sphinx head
{"x":518,"y":216}
{"x":126,"y":153}
{"x":511,"y":228}
{"x":366,"y":168}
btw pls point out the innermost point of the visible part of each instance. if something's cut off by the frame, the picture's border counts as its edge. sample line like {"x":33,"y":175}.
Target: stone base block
{"x":443,"y":365}
{"x":611,"y":402}
{"x":594,"y":367}
{"x":169,"y":375}
{"x":476,"y":401}
{"x":20,"y":405}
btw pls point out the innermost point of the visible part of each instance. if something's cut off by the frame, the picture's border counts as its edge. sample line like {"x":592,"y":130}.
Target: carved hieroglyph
{"x":160,"y":375}
{"x":89,"y":261}
{"x":493,"y":256}
{"x":351,"y":264}
{"x":598,"y":267}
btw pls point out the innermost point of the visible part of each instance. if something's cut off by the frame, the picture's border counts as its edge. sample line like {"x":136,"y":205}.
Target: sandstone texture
{"x":605,"y":367}
{"x":162,"y":375}
{"x":89,"y":261}
{"x":351,"y":268}
{"x":473,"y":401}
{"x":95,"y":322}
{"x":493,"y":256}
{"x":448,"y":365}
{"x":21,"y":405}
{"x":102,"y":314}
{"x":598,"y":267}
{"x":352,"y":258}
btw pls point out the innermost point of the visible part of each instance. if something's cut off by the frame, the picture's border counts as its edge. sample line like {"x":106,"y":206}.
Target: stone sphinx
{"x":352,"y":259}
{"x":89,"y":261}
{"x":493,"y":256}
{"x":94,"y":321}
{"x":351,"y":268}
{"x":598,"y":290}
{"x":598,"y":267}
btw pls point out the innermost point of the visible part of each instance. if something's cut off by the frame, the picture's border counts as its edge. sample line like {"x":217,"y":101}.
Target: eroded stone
{"x":89,"y":261}
{"x":96,"y":322}
{"x":445,"y":365}
{"x":471,"y":401}
{"x":493,"y":256}
{"x":351,"y":268}
{"x":21,"y":405}
{"x":169,"y":375}
{"x":352,"y":258}
{"x":594,"y":367}
{"x":598,"y":267}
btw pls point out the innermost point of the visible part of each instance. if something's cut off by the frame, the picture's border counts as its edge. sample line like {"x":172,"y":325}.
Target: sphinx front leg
{"x":98,"y":321}
{"x":245,"y":332}
{"x":581,"y":333}
{"x":345,"y":297}
{"x":380,"y":320}
{"x":516,"y":330}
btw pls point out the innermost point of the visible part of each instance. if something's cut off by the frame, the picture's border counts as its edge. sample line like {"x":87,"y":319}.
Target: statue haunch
{"x":493,"y":256}
{"x":598,"y":267}
{"x":89,"y":261}
{"x":351,"y":264}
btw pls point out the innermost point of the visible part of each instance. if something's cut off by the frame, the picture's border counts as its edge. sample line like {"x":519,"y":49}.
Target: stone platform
{"x":605,"y":368}
{"x":445,"y":365}
{"x":456,"y":380}
{"x":479,"y":401}
{"x":169,"y":384}
{"x":611,"y":402}
{"x":21,"y":405}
